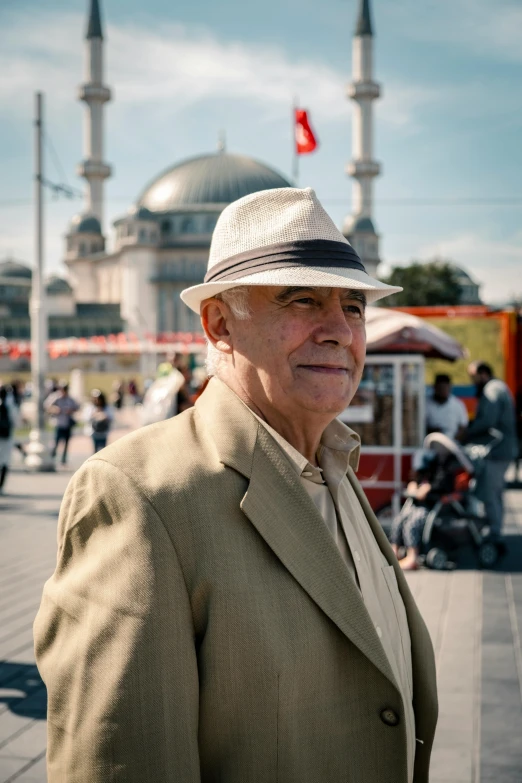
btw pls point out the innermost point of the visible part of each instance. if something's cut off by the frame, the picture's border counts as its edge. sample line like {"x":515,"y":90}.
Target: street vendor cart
{"x":388,"y":410}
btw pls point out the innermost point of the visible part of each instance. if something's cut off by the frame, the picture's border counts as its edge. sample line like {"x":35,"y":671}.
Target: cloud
{"x":489,"y":30}
{"x":16,"y":238}
{"x":157,"y":69}
{"x":493,"y":263}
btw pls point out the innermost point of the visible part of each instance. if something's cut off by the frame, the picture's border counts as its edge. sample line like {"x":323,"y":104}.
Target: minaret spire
{"x":94,"y":94}
{"x":359,"y":227}
{"x":364,"y":20}
{"x":94,"y":28}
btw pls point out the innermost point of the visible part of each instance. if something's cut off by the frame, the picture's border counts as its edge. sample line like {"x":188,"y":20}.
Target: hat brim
{"x":327,"y":277}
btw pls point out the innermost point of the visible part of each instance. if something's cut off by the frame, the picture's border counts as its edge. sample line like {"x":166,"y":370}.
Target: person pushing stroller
{"x":434,"y":475}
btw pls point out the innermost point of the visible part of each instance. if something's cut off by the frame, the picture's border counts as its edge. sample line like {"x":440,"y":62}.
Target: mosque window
{"x":166,"y":226}
{"x":142,"y":235}
{"x":162,"y":309}
{"x":82,"y":248}
{"x":188,"y":225}
{"x":196,"y":270}
{"x":210,"y":223}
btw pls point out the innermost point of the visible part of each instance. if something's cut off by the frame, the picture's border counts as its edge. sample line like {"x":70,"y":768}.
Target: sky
{"x":447,"y":127}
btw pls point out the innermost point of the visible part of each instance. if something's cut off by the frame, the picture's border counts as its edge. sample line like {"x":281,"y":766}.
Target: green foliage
{"x":481,"y":336}
{"x":429,"y":284}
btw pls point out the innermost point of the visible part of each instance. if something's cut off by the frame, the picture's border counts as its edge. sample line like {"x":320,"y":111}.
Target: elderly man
{"x":225,"y":605}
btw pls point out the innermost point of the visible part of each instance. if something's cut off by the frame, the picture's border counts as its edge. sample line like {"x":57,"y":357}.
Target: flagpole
{"x":295,"y":159}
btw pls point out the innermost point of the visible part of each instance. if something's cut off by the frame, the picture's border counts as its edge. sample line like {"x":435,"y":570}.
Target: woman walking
{"x":100,"y":420}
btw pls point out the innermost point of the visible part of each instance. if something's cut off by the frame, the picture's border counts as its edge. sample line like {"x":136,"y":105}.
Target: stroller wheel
{"x":437,"y":559}
{"x":488,"y":554}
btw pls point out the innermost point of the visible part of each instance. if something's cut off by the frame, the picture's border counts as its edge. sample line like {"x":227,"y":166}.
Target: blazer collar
{"x":286,"y":518}
{"x":231,"y":424}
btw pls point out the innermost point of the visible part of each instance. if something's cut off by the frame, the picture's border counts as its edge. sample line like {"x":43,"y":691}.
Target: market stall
{"x":388,"y":410}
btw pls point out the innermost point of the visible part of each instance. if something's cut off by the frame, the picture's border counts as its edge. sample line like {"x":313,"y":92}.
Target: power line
{"x":56,"y":160}
{"x":76,"y":195}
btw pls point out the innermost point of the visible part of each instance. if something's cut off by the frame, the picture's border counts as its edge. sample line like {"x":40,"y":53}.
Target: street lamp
{"x":37,"y":452}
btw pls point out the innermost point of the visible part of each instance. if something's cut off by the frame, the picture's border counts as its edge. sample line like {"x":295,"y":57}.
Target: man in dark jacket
{"x":495,"y":411}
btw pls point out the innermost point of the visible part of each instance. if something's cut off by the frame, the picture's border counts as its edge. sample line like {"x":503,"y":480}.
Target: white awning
{"x":396,"y":332}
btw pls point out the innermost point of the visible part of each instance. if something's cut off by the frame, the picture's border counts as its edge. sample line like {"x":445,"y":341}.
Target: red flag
{"x":305,"y":140}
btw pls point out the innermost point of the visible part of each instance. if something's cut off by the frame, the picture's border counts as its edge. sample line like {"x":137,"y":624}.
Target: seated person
{"x":445,"y":412}
{"x":433,"y":476}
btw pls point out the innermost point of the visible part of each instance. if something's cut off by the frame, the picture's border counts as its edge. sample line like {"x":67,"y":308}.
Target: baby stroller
{"x":457,"y":517}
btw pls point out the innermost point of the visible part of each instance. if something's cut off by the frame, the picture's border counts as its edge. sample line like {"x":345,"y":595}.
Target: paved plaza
{"x":474,"y":617}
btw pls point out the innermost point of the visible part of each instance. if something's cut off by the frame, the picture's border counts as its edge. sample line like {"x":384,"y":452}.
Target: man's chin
{"x":332,"y":406}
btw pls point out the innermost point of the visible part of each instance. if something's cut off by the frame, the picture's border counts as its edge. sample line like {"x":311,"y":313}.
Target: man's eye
{"x":354,"y":309}
{"x":305,"y":300}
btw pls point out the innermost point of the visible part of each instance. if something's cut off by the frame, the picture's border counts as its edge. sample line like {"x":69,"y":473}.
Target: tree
{"x":431,"y":283}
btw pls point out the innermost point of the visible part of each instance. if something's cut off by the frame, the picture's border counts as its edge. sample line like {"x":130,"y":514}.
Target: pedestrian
{"x":17,"y":391}
{"x":495,"y":414}
{"x":226,"y":606}
{"x":63,"y":407}
{"x":7,"y":429}
{"x":99,"y":417}
{"x":133,"y":391}
{"x":118,"y":391}
{"x":444,"y":412}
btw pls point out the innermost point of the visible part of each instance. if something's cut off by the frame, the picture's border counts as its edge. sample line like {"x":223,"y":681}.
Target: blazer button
{"x":389,"y":717}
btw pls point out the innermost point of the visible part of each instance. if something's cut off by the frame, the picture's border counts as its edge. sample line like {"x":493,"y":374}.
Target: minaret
{"x":359,"y":227}
{"x":95,"y":94}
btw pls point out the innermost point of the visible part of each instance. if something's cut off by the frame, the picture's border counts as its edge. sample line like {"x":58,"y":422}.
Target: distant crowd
{"x":175,"y":388}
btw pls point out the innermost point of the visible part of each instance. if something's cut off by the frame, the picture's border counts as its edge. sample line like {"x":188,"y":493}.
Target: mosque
{"x":161,"y":245}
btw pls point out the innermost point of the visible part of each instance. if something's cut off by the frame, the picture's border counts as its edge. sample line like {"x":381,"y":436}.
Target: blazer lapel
{"x":283,"y":514}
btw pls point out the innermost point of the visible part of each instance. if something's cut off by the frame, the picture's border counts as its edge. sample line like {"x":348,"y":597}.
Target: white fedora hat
{"x":281,"y":237}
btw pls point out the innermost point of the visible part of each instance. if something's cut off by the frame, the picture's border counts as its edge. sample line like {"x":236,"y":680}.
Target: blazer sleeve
{"x":114,"y":641}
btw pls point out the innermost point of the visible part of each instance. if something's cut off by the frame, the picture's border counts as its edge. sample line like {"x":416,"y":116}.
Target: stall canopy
{"x":392,"y":331}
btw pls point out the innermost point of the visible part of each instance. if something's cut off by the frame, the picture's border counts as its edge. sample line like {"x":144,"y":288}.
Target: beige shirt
{"x":336,"y":501}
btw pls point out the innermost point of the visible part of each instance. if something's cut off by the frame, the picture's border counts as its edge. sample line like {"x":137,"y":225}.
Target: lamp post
{"x":37,"y":452}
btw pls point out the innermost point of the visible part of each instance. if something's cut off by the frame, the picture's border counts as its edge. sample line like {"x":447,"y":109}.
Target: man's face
{"x":302,"y":349}
{"x":478,"y":378}
{"x":442,"y":391}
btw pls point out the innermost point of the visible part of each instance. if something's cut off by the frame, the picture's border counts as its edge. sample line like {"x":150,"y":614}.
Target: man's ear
{"x":214,"y":319}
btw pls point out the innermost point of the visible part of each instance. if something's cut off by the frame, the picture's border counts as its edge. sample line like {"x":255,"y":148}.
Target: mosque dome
{"x":57,"y":285}
{"x":208,"y":179}
{"x":11,"y":268}
{"x":141,"y":213}
{"x":463,"y":277}
{"x":85,"y":224}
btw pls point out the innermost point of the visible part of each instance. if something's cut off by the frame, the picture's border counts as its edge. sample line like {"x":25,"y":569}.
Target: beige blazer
{"x":201,"y":625}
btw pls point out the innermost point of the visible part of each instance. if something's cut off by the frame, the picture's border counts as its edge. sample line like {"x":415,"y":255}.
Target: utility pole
{"x":37,"y":452}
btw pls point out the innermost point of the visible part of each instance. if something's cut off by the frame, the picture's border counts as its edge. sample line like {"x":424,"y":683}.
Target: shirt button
{"x":357,"y":555}
{"x":389,"y":717}
{"x":379,"y":632}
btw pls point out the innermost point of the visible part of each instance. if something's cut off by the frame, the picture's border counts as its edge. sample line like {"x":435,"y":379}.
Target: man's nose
{"x":334,"y":328}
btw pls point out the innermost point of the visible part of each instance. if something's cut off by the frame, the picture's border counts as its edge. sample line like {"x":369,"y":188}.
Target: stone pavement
{"x":474,"y":617}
